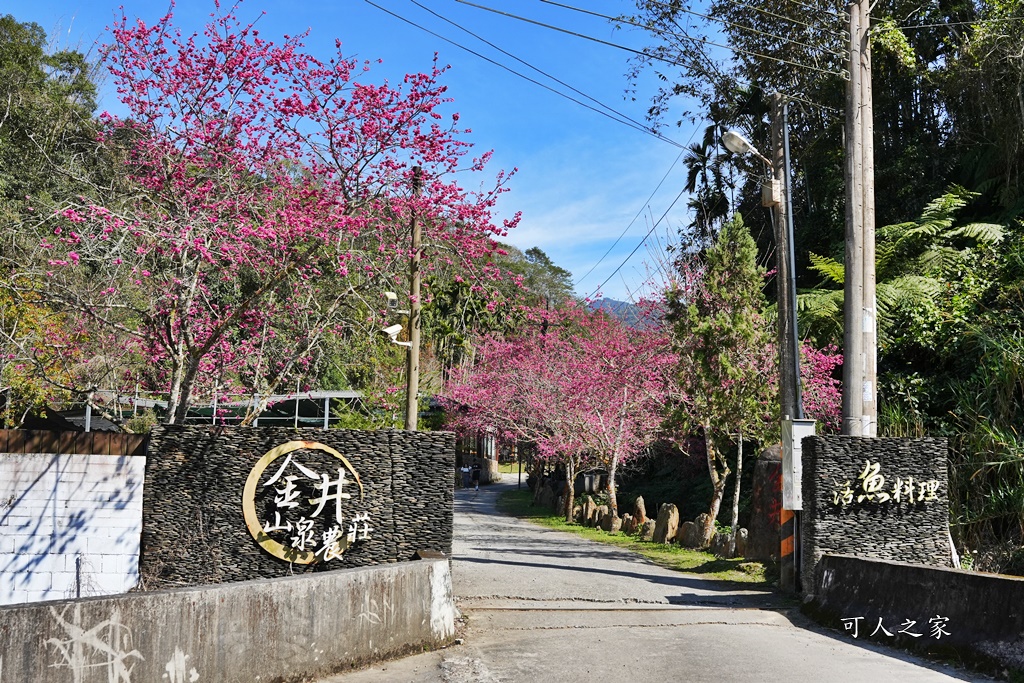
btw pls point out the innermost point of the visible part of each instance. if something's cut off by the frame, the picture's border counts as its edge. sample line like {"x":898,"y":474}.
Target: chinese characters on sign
{"x":309,"y":515}
{"x":871,"y":486}
{"x":936,"y":628}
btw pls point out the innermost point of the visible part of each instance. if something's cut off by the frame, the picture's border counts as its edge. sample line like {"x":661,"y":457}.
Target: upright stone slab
{"x":640,"y":510}
{"x":885,"y":498}
{"x":667,"y":524}
{"x":765,"y":507}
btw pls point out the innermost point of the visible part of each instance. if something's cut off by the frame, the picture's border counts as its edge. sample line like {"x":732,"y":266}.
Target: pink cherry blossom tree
{"x":265,"y":204}
{"x":581,"y":385}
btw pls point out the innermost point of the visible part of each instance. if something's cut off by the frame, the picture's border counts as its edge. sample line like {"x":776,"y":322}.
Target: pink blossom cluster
{"x":267,"y":205}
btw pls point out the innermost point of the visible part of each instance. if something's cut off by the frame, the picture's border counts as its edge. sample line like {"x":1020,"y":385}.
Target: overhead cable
{"x":638,"y":214}
{"x":962,"y":23}
{"x":842,"y":16}
{"x":625,"y":117}
{"x":718,"y":20}
{"x":637,"y":247}
{"x":841,"y":74}
{"x":625,"y":121}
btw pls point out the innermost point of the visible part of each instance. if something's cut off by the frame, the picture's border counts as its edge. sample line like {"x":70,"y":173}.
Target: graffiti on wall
{"x":308,"y":515}
{"x":872,"y":487}
{"x":178,"y":671}
{"x":106,"y":646}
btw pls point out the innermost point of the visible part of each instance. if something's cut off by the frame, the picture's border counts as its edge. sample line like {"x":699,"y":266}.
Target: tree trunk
{"x":538,"y":480}
{"x":188,"y":380}
{"x":736,"y":495}
{"x":718,"y":481}
{"x":613,"y":499}
{"x":174,"y":397}
{"x":570,"y":489}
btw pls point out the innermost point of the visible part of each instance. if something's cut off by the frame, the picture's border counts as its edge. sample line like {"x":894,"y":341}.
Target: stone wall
{"x":194,"y":531}
{"x":69,"y":523}
{"x":968,"y":616}
{"x":884,"y":498}
{"x":293,"y":629}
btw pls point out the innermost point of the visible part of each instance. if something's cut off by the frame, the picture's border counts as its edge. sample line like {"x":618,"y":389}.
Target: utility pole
{"x":860,"y":413}
{"x":412,"y":407}
{"x":789,"y":359}
{"x":790,"y":399}
{"x":869,"y":408}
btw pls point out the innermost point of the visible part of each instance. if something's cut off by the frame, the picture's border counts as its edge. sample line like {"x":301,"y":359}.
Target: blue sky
{"x":583,"y":179}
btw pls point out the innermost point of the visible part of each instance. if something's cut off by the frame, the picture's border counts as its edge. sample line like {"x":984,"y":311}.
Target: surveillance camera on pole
{"x":392,"y":331}
{"x":392,"y":299}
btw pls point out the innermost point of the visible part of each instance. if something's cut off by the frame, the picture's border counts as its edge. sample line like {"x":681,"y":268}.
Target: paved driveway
{"x":542,"y":605}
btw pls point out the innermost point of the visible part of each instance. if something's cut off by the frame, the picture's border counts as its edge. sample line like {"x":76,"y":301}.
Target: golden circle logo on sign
{"x":305,"y":514}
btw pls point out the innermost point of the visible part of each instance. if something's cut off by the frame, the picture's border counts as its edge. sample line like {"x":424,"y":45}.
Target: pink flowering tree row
{"x":264,"y":205}
{"x":584,"y":387}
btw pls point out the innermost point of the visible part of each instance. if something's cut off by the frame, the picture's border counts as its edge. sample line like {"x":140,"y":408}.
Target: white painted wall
{"x":69,"y":525}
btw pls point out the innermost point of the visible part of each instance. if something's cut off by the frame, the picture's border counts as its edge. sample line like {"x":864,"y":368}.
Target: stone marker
{"x":640,"y":510}
{"x":720,"y":545}
{"x":547,"y":498}
{"x":602,"y":512}
{"x":699,"y":523}
{"x":765,"y":507}
{"x":742,"y":538}
{"x":628,"y":524}
{"x":684,"y":536}
{"x":647,"y":530}
{"x":667,"y":524}
{"x":588,"y":512}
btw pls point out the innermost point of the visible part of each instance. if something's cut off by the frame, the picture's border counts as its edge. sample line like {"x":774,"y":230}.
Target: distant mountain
{"x":623,"y":310}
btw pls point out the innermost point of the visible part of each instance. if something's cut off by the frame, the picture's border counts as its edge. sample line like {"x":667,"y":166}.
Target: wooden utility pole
{"x":412,"y":387}
{"x":859,"y":337}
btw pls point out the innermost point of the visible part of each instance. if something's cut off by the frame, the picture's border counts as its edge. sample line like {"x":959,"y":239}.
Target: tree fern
{"x":911,"y":261}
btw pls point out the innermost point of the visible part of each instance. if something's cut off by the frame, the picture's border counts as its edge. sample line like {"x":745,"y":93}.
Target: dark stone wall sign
{"x":883,"y":498}
{"x":234,"y":504}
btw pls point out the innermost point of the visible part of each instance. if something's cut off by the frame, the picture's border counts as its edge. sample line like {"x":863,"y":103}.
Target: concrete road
{"x":542,"y":605}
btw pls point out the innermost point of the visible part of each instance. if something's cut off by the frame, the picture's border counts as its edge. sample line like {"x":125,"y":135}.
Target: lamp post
{"x":778,"y":196}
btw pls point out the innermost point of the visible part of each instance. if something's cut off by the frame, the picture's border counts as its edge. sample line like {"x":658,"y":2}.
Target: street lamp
{"x":737,"y":144}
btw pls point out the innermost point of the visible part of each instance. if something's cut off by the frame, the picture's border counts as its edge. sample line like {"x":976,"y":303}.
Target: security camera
{"x":392,"y":331}
{"x":392,"y":299}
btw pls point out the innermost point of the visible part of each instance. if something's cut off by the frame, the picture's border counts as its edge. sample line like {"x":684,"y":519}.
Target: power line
{"x":637,"y":247}
{"x":625,"y":121}
{"x":962,"y":23}
{"x":648,"y":55}
{"x":625,"y":117}
{"x":842,"y":16}
{"x":724,"y":22}
{"x":638,"y":214}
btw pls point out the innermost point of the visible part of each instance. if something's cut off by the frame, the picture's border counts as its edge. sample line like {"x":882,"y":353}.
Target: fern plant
{"x":913,"y":261}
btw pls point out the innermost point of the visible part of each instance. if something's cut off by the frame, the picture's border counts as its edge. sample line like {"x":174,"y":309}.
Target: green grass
{"x":510,"y":468}
{"x":738,"y":570}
